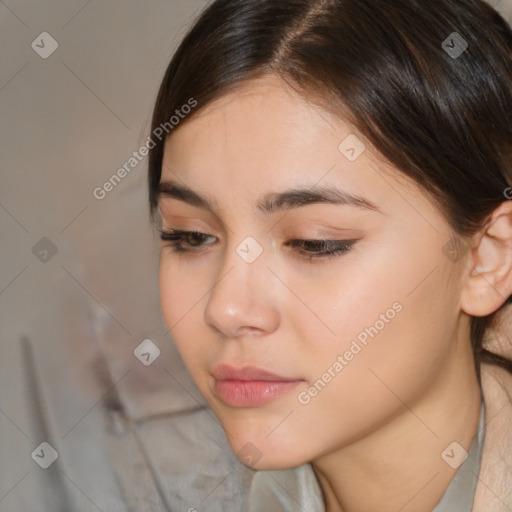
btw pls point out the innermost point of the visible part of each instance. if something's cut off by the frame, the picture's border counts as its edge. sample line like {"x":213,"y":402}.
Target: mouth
{"x":250,"y":386}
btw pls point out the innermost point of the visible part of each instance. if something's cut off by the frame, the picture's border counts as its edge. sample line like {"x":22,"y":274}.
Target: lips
{"x":250,"y":386}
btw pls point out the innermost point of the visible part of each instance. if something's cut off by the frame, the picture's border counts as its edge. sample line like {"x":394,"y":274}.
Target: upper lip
{"x":246,"y":373}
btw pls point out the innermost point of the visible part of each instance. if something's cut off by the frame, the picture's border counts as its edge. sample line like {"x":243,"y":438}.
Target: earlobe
{"x":488,"y":283}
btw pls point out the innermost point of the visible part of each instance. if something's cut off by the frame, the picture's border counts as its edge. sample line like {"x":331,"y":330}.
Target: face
{"x":301,"y":320}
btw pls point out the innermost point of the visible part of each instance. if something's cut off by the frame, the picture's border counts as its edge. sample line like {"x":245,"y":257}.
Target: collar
{"x":460,"y":493}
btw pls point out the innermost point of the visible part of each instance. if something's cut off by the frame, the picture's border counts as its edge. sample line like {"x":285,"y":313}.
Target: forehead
{"x":264,"y":136}
{"x":267,"y":108}
{"x":263,"y":126}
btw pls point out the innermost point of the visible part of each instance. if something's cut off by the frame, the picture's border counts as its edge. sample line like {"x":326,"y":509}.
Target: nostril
{"x":252,"y":331}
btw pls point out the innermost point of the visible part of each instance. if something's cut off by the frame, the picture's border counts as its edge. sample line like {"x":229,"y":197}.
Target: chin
{"x":268,"y":462}
{"x":254,"y":439}
{"x":262,"y":454}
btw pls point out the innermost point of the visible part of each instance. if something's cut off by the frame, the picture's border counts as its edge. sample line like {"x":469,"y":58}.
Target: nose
{"x":243,"y":299}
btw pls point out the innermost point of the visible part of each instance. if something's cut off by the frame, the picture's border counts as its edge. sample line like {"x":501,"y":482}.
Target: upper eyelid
{"x":224,"y":227}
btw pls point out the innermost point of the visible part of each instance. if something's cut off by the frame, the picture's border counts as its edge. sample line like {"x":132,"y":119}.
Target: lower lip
{"x":253,"y":393}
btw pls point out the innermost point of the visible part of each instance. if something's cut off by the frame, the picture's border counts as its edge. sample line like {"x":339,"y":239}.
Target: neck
{"x":399,"y":466}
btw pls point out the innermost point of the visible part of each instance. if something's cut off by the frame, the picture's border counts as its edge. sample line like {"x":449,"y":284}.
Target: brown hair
{"x":441,"y":118}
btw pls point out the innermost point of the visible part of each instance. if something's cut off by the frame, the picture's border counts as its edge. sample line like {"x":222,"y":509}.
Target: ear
{"x":489,"y":281}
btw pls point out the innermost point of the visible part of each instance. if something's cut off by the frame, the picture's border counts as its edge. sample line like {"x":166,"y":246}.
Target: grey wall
{"x":68,"y":122}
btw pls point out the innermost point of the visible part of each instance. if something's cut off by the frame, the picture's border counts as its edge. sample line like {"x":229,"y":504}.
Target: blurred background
{"x":78,"y":269}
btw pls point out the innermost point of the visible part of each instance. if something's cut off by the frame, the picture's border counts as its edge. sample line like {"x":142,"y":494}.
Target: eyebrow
{"x":272,"y":202}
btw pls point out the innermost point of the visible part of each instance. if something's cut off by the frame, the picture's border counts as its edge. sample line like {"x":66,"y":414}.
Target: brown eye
{"x":323,"y":248}
{"x":183,"y":241}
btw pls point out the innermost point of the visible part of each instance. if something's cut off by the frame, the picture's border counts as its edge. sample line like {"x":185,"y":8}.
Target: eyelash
{"x":328,"y":249}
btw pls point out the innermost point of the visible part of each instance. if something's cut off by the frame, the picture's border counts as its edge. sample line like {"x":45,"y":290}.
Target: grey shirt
{"x":298,"y":489}
{"x":460,"y":493}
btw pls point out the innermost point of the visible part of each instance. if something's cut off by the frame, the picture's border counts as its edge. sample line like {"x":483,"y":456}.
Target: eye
{"x":179,"y":241}
{"x":322,"y":248}
{"x":193,"y":241}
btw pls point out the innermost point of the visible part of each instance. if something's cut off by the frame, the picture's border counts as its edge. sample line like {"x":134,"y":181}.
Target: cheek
{"x":340,"y":303}
{"x":180,"y":303}
{"x":386,"y":320}
{"x":397,"y":364}
{"x":180,"y":286}
{"x":170,"y":288}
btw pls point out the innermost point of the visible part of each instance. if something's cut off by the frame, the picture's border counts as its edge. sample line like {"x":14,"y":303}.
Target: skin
{"x":375,"y":433}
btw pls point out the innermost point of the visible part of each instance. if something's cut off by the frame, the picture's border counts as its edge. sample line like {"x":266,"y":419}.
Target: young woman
{"x":332,"y":181}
